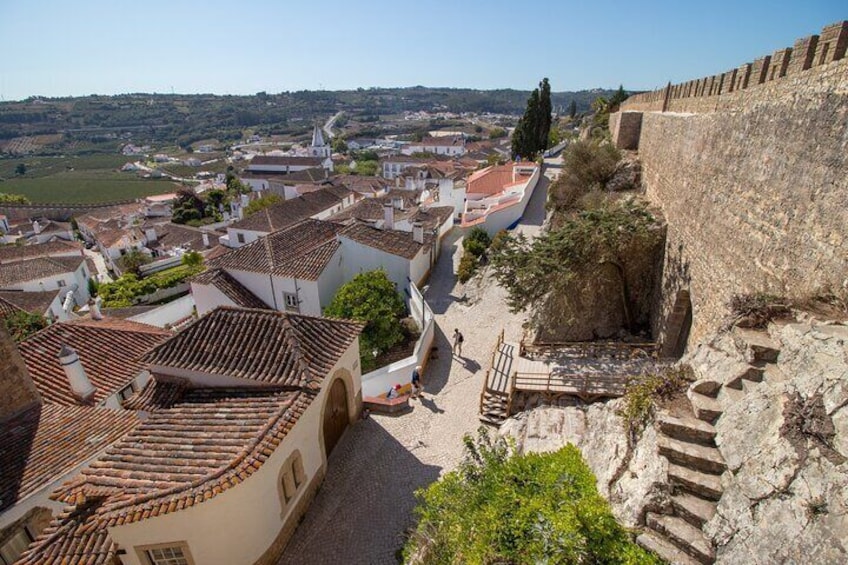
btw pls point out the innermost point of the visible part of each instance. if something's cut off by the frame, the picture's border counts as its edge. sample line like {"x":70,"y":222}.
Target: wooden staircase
{"x":695,"y":463}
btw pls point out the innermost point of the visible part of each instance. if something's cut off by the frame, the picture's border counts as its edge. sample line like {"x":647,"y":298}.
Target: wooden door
{"x":336,"y":415}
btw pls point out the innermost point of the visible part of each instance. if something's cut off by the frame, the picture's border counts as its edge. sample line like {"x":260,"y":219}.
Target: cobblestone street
{"x":362,"y":511}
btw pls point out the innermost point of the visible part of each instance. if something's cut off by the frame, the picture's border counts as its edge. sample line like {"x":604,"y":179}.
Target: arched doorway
{"x":678,"y":325}
{"x":336,"y":416}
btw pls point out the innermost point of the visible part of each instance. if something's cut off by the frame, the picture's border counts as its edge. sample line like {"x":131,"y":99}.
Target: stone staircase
{"x":493,"y":408}
{"x":695,"y":463}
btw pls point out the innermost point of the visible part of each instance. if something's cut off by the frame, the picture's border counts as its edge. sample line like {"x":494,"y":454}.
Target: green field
{"x":77,"y":179}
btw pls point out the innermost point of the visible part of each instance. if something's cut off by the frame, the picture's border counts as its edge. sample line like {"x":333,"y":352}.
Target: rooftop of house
{"x":497,"y":178}
{"x":289,"y":212}
{"x":108,"y":350}
{"x":264,"y":346}
{"x":13,"y":253}
{"x":394,"y":242}
{"x":283,"y":161}
{"x":45,"y":442}
{"x":154,"y":470}
{"x":302,"y":251}
{"x":367,"y":185}
{"x":372,"y":209}
{"x":170,"y":235}
{"x":313,"y":174}
{"x":93,"y":218}
{"x":113,"y":235}
{"x":39,"y":268}
{"x":230,"y":287}
{"x":441,"y":141}
{"x":12,"y":301}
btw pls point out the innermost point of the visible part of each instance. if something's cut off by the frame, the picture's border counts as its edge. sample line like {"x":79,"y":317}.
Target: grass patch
{"x":85,"y":187}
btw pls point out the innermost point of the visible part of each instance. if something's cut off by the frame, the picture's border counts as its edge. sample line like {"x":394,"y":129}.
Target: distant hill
{"x":185,"y":119}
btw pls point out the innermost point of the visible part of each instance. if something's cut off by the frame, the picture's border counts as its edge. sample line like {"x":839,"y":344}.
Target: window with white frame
{"x":61,"y":283}
{"x":173,"y":555}
{"x":292,"y":478}
{"x":240,"y":237}
{"x":291,"y":302}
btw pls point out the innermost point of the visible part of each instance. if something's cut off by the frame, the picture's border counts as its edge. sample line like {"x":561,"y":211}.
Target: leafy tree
{"x":366,"y":168}
{"x":338,"y":145}
{"x":587,"y":166}
{"x":599,"y":238}
{"x":187,"y":206}
{"x":21,"y":169}
{"x":262,"y":203}
{"x":501,"y":507}
{"x":234,"y":185}
{"x":617,"y":98}
{"x":22,"y":324}
{"x":132,"y":260}
{"x":192,"y":259}
{"x":371,"y":297}
{"x":6,"y":198}
{"x":497,"y":133}
{"x":572,"y":109}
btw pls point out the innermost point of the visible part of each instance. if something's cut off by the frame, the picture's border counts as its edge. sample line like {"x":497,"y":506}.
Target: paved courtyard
{"x":365,"y":506}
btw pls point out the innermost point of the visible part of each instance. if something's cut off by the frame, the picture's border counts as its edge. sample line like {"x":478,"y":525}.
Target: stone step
{"x":702,"y":484}
{"x":496,"y":422}
{"x":758,"y":345}
{"x":707,"y":387}
{"x":752,"y":373}
{"x":730,"y":396}
{"x":657,"y":543}
{"x":684,"y":535}
{"x":691,"y":455}
{"x":773,"y":375}
{"x":693,"y":509}
{"x":706,"y":408}
{"x":687,"y":429}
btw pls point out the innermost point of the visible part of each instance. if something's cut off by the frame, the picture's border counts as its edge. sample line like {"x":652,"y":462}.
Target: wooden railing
{"x":584,"y":386}
{"x":614,"y":349}
{"x":495,"y":351}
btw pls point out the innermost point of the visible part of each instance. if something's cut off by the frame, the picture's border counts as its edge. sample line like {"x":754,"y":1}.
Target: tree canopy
{"x":23,"y":324}
{"x":6,"y":198}
{"x":371,"y":297}
{"x":501,"y":507}
{"x":531,"y":134}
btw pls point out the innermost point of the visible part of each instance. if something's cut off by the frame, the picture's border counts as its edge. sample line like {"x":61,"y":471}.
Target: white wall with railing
{"x":379,"y":381}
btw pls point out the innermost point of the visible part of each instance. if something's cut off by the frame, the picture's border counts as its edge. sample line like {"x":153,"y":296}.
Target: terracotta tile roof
{"x":16,"y":300}
{"x":494,"y":179}
{"x":127,"y":311}
{"x":215,"y":252}
{"x":46,"y":442}
{"x":175,"y":235}
{"x":371,"y":209}
{"x":362,"y":184}
{"x":119,"y":237}
{"x":108,"y":349}
{"x":11,"y":253}
{"x":39,"y":268}
{"x":156,"y":395}
{"x":433,"y":217}
{"x":289,"y":212}
{"x":301,"y":251}
{"x":265,"y":346}
{"x":391,"y":241}
{"x":274,"y":161}
{"x":210,"y":441}
{"x":230,"y":287}
{"x":74,"y":537}
{"x":314,"y":175}
{"x":441,"y":141}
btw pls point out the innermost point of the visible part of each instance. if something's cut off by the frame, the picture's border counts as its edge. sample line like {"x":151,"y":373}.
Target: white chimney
{"x":36,"y":227}
{"x":398,"y":202}
{"x":150,"y":234}
{"x":388,"y":216}
{"x":80,"y":385}
{"x":418,"y":232}
{"x":244,"y":199}
{"x":68,"y":305}
{"x":205,"y":239}
{"x":514,"y":170}
{"x":94,"y":308}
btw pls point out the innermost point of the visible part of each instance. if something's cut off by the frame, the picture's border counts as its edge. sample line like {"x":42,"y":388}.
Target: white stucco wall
{"x":238,"y":525}
{"x":360,"y":258}
{"x":207,"y":297}
{"x":73,"y":280}
{"x":249,"y":236}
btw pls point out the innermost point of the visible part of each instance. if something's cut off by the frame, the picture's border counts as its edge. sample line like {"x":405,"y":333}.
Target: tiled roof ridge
{"x":290,"y":315}
{"x":306,"y":375}
{"x":75,"y":492}
{"x":65,"y":525}
{"x":117,"y":324}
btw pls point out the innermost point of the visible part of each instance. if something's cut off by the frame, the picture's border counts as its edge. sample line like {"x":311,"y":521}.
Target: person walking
{"x":417,"y":389}
{"x":457,"y":342}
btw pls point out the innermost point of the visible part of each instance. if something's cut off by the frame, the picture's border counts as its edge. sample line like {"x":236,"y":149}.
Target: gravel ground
{"x":365,"y":506}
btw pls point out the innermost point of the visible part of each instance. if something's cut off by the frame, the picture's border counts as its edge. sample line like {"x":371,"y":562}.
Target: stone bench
{"x":383,"y":405}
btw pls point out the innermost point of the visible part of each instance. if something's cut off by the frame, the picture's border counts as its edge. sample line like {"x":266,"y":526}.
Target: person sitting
{"x":394,"y":392}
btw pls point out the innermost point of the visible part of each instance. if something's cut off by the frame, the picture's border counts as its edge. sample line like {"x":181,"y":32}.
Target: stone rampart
{"x":57,"y":211}
{"x":754,"y":185}
{"x":731,"y":90}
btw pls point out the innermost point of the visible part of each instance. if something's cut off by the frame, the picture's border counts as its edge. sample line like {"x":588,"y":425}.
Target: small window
{"x":62,"y":284}
{"x":126,"y":392}
{"x":14,"y":546}
{"x":292,"y":479}
{"x":291,"y":302}
{"x":240,"y":237}
{"x":167,"y":556}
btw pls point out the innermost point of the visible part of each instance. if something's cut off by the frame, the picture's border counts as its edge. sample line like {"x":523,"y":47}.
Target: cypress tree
{"x":544,"y":115}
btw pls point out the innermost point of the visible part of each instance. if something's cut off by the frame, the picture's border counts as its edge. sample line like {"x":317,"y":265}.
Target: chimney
{"x":80,"y":385}
{"x":398,"y":202}
{"x":418,"y":232}
{"x":68,"y":305}
{"x":514,"y":167}
{"x":17,"y":391}
{"x":205,"y":237}
{"x":36,"y":227}
{"x":94,"y":308}
{"x":244,"y":199}
{"x":388,"y":216}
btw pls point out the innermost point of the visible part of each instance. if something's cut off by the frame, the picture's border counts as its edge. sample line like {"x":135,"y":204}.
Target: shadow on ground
{"x":370,"y":480}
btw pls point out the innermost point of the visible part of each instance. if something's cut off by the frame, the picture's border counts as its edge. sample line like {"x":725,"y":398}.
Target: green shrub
{"x":125,"y":290}
{"x":477,"y":238}
{"x":467,"y":267}
{"x":22,"y":324}
{"x":644,"y":392}
{"x":499,"y":507}
{"x":758,"y":309}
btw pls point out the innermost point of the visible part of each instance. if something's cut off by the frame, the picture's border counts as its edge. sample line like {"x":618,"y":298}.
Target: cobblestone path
{"x":362,"y":511}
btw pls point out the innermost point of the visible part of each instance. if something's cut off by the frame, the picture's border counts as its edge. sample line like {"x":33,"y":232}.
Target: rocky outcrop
{"x":775,"y":405}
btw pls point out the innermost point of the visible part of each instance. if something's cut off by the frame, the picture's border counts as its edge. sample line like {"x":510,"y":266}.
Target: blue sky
{"x":80,"y":47}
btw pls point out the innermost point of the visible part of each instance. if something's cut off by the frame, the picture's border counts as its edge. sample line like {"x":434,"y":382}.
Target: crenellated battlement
{"x":711,"y":93}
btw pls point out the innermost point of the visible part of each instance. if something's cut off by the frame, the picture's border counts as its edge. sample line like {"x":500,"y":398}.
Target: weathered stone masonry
{"x":751,"y":170}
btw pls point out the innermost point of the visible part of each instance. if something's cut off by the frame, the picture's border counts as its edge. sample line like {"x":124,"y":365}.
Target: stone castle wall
{"x":754,"y":188}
